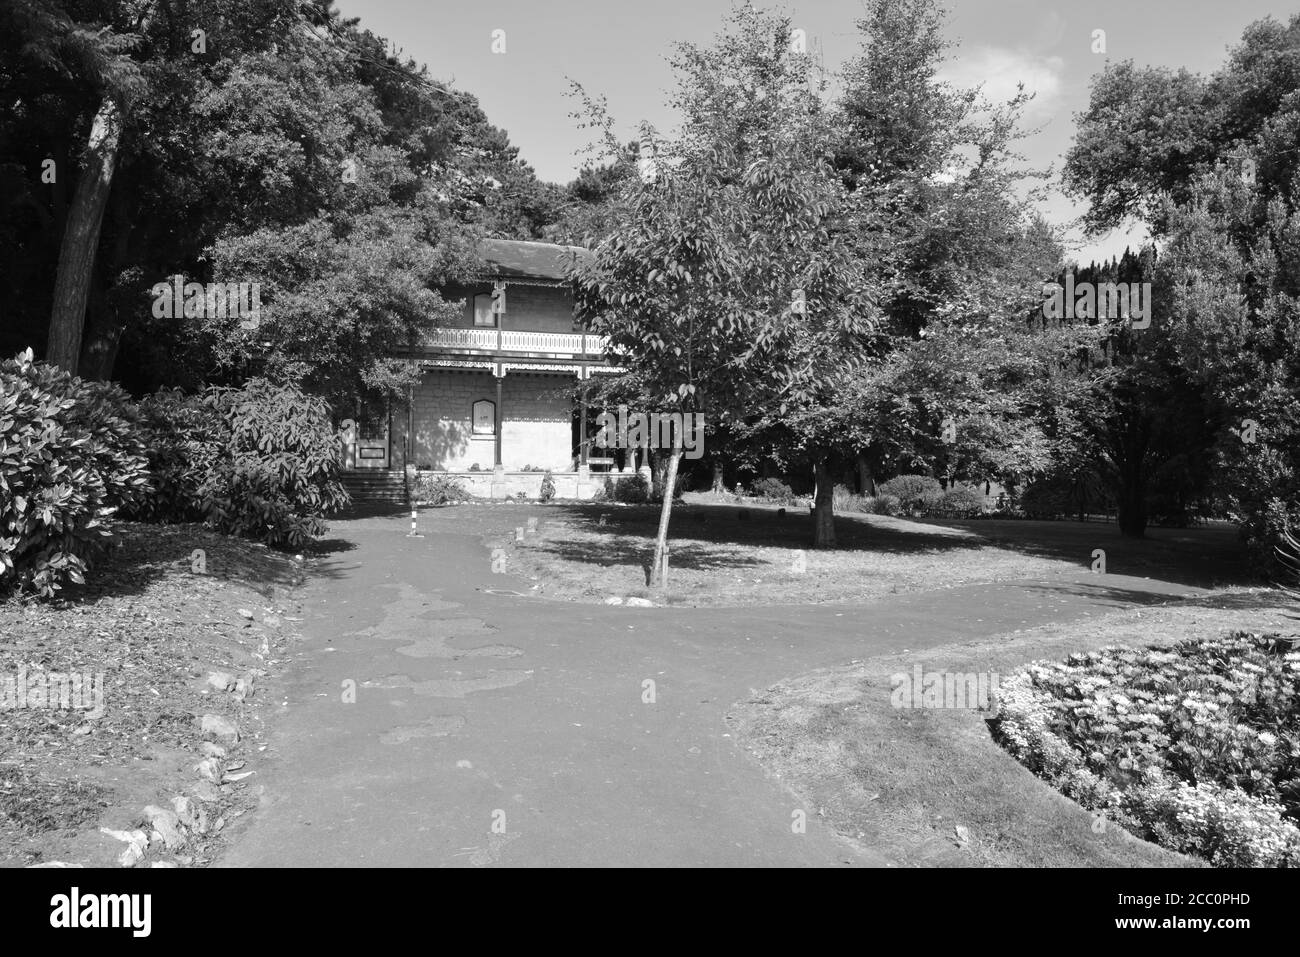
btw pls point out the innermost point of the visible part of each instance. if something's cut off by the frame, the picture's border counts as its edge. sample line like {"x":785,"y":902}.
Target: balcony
{"x":551,"y":345}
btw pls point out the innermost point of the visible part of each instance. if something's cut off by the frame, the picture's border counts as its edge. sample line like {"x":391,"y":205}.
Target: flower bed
{"x":1195,"y":747}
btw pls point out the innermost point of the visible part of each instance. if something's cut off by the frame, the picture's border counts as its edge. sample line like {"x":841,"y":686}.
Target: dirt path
{"x":494,"y":728}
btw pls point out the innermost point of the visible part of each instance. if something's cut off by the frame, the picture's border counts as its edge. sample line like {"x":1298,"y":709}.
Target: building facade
{"x":500,"y":400}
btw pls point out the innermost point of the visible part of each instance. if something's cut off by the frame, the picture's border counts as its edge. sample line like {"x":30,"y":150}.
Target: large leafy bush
{"x":259,"y":461}
{"x":632,"y":489}
{"x":912,"y":491}
{"x":962,"y":502}
{"x":185,"y":436}
{"x":70,"y":455}
{"x":773,"y":490}
{"x":278,"y":475}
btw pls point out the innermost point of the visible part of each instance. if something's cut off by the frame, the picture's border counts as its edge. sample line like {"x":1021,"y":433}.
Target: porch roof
{"x":516,"y":258}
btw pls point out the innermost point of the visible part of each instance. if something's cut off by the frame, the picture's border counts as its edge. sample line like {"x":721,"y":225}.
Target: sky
{"x":618,"y":49}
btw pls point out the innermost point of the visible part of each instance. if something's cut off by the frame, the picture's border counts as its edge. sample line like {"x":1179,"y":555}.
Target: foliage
{"x":884,"y":504}
{"x":439,"y":490}
{"x":278,"y":475}
{"x":183,"y":438}
{"x":1196,"y":747}
{"x":963,"y":502}
{"x":300,"y":151}
{"x":70,"y":456}
{"x":1063,"y":493}
{"x":773,"y":490}
{"x":846,"y":500}
{"x":633,"y":489}
{"x":1211,"y":165}
{"x":729,"y":285}
{"x":912,"y":490}
{"x":260,"y":461}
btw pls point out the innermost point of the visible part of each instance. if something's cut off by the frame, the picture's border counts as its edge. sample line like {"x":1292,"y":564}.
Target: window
{"x":484,"y":417}
{"x":483,"y":315}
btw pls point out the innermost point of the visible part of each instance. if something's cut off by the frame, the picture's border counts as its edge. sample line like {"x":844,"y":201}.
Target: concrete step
{"x":375,"y":487}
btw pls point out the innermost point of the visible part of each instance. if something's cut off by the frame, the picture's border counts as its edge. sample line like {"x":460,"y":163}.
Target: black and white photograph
{"x":701,"y":434}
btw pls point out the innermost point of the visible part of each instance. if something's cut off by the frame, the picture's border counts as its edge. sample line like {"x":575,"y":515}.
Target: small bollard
{"x":413,"y":533}
{"x":519,"y":533}
{"x":800,"y":563}
{"x":532,"y":525}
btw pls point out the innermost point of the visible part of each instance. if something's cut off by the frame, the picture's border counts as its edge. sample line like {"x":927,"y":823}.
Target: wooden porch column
{"x":582,"y":423}
{"x":496,"y":462}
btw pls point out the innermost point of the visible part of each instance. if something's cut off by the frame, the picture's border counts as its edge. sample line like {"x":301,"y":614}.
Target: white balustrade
{"x":515,"y":340}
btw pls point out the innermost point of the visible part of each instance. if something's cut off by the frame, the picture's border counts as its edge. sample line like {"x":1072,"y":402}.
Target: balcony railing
{"x":512,"y":340}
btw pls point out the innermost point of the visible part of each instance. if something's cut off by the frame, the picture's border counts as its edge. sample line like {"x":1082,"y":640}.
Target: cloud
{"x":998,"y":71}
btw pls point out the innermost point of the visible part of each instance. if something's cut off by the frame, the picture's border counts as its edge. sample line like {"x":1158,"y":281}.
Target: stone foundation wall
{"x":507,"y":484}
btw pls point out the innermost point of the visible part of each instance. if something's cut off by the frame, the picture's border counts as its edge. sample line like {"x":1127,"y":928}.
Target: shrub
{"x":911,"y":490}
{"x":440,"y":490}
{"x":548,"y":487}
{"x":184,"y":438}
{"x":632,"y":488}
{"x":930,"y":500}
{"x":883,"y":504}
{"x":773,"y":490}
{"x":71,"y":456}
{"x":259,"y":461}
{"x":844,"y":499}
{"x":278,"y":475}
{"x":960,"y":501}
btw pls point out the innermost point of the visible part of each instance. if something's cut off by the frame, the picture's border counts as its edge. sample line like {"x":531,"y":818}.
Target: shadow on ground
{"x":1203,"y":557}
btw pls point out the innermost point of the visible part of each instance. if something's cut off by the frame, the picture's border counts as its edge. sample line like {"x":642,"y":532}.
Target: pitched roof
{"x":513,"y":257}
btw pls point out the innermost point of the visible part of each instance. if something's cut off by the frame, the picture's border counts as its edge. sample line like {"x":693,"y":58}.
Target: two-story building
{"x":500,"y":399}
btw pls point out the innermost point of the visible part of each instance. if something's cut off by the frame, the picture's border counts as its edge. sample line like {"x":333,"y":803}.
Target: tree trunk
{"x":823,"y":507}
{"x":99,"y":354}
{"x":658,"y":465}
{"x":105,"y":321}
{"x":718,"y":484}
{"x":659,"y":563}
{"x":1132,"y":506}
{"x":81,"y":238}
{"x":866,"y":480}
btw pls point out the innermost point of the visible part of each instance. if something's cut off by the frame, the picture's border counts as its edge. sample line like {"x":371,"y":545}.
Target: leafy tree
{"x":1216,"y":181}
{"x":92,"y":64}
{"x":285,"y":117}
{"x":965,"y":387}
{"x":729,"y":284}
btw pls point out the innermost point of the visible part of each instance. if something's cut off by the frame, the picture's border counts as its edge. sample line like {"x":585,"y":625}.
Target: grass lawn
{"x":155,"y":631}
{"x":930,"y":787}
{"x":721,"y":557}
